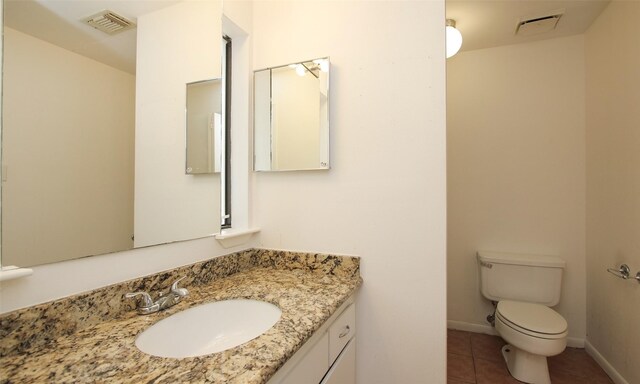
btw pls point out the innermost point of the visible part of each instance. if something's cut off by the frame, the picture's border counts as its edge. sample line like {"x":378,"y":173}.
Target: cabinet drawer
{"x":341,"y":331}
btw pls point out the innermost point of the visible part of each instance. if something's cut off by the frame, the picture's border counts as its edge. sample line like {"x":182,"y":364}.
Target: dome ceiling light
{"x":453,"y":38}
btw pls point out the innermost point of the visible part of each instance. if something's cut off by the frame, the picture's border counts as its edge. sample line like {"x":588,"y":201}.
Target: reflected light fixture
{"x":453,"y":38}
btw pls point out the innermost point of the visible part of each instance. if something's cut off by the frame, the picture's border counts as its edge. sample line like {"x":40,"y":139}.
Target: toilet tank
{"x":528,"y":278}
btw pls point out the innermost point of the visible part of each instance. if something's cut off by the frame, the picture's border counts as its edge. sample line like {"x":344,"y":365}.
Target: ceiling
{"x":483,"y":23}
{"x":58,"y":22}
{"x":491,"y":23}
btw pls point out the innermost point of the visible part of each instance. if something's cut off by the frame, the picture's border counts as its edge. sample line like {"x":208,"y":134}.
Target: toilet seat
{"x":535,"y":320}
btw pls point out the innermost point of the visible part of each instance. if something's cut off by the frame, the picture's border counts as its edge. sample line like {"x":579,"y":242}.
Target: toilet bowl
{"x":525,"y":287}
{"x":533,"y":332}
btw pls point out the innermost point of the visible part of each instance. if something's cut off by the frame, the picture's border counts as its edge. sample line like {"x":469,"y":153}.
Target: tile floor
{"x":474,"y":358}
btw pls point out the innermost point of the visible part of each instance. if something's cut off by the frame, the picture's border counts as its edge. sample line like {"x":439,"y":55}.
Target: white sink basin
{"x":208,"y":328}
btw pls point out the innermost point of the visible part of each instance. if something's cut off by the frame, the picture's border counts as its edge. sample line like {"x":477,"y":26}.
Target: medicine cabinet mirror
{"x":204,"y":127}
{"x":291,"y":117}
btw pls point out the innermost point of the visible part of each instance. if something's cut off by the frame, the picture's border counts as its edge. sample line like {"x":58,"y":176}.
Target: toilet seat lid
{"x":532,"y":317}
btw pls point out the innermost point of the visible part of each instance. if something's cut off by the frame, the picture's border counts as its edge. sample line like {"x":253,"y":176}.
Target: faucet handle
{"x":148,"y":302}
{"x":179,"y":291}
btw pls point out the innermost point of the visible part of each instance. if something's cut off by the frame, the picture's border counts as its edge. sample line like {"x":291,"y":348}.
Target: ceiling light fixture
{"x":453,"y":38}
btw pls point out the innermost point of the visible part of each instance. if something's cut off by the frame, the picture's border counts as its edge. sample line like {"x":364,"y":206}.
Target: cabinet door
{"x":343,"y":371}
{"x":313,"y":366}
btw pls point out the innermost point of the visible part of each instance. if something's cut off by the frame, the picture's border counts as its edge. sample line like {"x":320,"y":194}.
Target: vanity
{"x":91,"y":337}
{"x":329,"y":356}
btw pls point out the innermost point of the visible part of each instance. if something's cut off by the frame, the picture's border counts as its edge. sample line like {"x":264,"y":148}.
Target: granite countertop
{"x":105,"y":351}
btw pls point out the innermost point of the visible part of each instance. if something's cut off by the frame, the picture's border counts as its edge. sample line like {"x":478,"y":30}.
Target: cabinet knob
{"x":345,"y":332}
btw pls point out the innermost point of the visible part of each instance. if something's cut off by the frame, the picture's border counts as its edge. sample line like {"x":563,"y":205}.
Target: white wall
{"x":613,"y":187}
{"x":516,"y":167}
{"x":176,"y":45}
{"x":384,"y":198}
{"x":68,"y":151}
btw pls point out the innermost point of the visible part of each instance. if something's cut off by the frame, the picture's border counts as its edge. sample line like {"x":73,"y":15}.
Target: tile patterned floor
{"x":474,"y":358}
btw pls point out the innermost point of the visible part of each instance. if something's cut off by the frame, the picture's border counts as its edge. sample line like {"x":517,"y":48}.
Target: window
{"x":225,"y":189}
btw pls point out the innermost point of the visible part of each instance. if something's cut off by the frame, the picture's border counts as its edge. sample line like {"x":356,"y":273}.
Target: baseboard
{"x":573,"y":342}
{"x":471,"y":327}
{"x":611,"y":371}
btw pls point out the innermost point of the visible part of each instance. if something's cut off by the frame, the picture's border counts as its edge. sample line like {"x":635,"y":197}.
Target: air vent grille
{"x":536,"y":25}
{"x":109,"y":22}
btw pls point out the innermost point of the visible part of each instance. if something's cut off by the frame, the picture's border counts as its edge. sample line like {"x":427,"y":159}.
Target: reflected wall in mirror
{"x":204,"y":127}
{"x":69,"y":119}
{"x":291,"y":117}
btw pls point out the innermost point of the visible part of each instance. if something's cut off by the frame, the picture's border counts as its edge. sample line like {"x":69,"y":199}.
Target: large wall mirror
{"x":70,"y":141}
{"x":291,"y":117}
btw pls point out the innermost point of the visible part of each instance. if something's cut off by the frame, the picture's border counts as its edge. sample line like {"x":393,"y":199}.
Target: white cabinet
{"x":329,"y":356}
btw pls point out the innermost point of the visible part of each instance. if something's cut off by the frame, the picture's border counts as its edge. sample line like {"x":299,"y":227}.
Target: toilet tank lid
{"x":521,"y":259}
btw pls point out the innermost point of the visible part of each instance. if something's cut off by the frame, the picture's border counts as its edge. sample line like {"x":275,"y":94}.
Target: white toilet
{"x":525,"y":286}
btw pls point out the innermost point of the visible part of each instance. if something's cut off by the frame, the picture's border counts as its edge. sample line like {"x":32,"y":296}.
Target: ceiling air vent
{"x":109,"y":22}
{"x":536,"y":25}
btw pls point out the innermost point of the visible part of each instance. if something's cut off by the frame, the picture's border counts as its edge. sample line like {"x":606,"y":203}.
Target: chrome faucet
{"x":164,"y":301}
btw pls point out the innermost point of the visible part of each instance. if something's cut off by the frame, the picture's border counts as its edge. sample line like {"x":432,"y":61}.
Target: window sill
{"x":233,"y":237}
{"x":12,"y":272}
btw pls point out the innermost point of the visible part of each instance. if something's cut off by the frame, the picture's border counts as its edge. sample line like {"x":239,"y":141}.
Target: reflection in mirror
{"x":68,"y":126}
{"x":291,"y":117}
{"x":204,"y":127}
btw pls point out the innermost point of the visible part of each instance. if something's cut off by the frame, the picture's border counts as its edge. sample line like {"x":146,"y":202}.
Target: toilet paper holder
{"x":623,"y":272}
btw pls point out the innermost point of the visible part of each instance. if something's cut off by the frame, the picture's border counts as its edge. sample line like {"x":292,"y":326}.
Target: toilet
{"x":525,"y":287}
